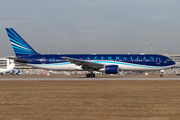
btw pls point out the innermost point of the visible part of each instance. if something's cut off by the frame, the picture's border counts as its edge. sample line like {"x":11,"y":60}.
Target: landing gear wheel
{"x":88,"y":75}
{"x":92,"y":75}
{"x":161,"y":75}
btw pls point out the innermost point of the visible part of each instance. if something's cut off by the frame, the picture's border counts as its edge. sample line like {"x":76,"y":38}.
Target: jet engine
{"x":110,"y":69}
{"x":12,"y":72}
{"x":17,"y":72}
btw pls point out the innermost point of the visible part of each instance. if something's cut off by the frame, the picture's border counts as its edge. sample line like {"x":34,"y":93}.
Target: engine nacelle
{"x":110,"y":69}
{"x":12,"y":71}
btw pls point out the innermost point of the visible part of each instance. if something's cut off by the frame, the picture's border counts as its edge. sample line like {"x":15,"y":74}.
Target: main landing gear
{"x":90,"y":75}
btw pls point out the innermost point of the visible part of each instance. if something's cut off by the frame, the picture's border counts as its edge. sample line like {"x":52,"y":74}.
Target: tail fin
{"x":11,"y":66}
{"x":21,"y":48}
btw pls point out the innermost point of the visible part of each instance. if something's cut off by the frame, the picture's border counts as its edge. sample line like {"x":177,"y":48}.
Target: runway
{"x":84,"y":79}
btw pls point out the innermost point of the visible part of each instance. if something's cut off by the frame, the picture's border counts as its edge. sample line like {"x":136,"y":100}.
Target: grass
{"x":87,"y":100}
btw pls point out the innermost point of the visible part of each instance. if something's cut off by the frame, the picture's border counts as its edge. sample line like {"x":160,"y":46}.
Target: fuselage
{"x":134,"y":62}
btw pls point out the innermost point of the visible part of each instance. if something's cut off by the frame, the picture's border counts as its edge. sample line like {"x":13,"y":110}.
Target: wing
{"x":85,"y":64}
{"x":19,"y":60}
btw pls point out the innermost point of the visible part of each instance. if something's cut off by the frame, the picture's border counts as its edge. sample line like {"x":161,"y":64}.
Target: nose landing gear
{"x":161,"y":75}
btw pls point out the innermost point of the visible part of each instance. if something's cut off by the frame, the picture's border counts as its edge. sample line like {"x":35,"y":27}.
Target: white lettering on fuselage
{"x":115,"y":58}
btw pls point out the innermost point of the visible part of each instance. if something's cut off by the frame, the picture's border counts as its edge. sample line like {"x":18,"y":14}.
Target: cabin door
{"x":158,"y":60}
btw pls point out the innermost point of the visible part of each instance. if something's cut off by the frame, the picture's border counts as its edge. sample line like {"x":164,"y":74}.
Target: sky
{"x":92,"y":26}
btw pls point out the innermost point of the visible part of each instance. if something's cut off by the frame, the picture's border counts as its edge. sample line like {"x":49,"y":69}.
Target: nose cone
{"x":172,"y":63}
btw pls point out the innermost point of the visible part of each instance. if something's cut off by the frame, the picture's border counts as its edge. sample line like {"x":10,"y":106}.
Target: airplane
{"x":106,"y":63}
{"x":7,"y":70}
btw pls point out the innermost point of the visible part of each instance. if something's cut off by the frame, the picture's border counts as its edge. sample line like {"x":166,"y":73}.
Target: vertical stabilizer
{"x":11,"y":66}
{"x":21,"y":48}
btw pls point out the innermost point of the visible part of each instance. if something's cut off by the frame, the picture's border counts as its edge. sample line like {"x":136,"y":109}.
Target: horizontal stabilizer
{"x":19,"y":60}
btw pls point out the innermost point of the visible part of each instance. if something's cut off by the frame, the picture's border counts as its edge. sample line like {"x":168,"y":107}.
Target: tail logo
{"x":43,"y":60}
{"x":19,"y":45}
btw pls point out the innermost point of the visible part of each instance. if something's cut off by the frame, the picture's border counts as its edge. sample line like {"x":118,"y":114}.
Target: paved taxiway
{"x":83,"y":78}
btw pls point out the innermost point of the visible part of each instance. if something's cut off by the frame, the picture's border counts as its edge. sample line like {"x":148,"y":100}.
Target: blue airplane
{"x":106,"y":63}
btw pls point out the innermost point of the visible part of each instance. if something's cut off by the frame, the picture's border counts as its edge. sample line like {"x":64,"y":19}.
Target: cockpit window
{"x":169,"y":59}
